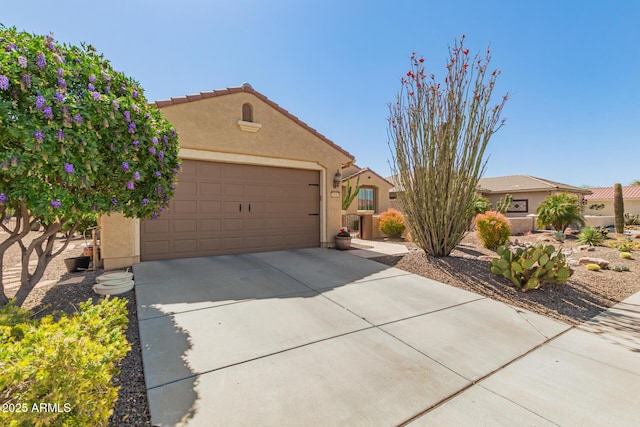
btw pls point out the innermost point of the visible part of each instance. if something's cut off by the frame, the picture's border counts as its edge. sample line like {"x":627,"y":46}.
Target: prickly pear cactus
{"x":529,"y":268}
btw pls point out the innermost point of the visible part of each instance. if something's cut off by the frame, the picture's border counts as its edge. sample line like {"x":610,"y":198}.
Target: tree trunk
{"x":19,"y":231}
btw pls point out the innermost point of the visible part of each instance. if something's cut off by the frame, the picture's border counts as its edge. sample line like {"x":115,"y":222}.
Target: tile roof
{"x":525,"y":183}
{"x":362,"y":171}
{"x":248,"y":89}
{"x":606,"y":193}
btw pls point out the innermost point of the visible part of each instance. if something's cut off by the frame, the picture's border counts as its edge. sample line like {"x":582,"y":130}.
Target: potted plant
{"x":343,"y":239}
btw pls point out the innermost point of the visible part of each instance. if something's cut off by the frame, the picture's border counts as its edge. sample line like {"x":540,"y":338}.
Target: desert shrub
{"x":619,"y":268}
{"x":559,"y":236}
{"x":391,"y":223}
{"x":560,"y":211}
{"x":481,"y":205}
{"x":531,"y":267}
{"x":591,"y":236}
{"x":631,"y":219}
{"x":625,"y":255}
{"x":493,"y":229}
{"x":593,"y":267}
{"x":69,"y":362}
{"x":623,"y":245}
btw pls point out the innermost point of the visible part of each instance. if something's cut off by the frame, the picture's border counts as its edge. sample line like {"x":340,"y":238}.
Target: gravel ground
{"x":61,"y":291}
{"x":585,"y":295}
{"x":582,"y":297}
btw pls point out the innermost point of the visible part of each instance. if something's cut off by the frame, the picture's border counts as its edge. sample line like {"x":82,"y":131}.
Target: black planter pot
{"x":74,"y":264}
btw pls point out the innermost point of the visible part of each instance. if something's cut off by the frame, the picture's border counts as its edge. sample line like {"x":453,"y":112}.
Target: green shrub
{"x":560,"y":211}
{"x":559,"y":236}
{"x":391,"y":223}
{"x":493,"y":229}
{"x":625,"y":255}
{"x":481,"y":205}
{"x":593,"y":267}
{"x":68,"y":363}
{"x":590,"y":236}
{"x":531,"y":267}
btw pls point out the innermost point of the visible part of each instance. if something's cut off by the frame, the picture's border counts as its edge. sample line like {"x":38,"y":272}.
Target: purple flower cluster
{"x":22,"y":62}
{"x":40,"y":101}
{"x":127,"y":116}
{"x":59,"y":72}
{"x":26,"y":80}
{"x":92,"y":78}
{"x":136,"y":176}
{"x":145,"y":202}
{"x":48,"y":112}
{"x":78,"y":119}
{"x":154,"y":140}
{"x":125,"y":166}
{"x":68,"y":168}
{"x":62,"y":83}
{"x":60,"y":135}
{"x":158,"y":174}
{"x":4,"y":82}
{"x":38,"y":136}
{"x":3,"y":198}
{"x":132,"y":127}
{"x":114,"y":201}
{"x":96,"y":96}
{"x":136,"y":143}
{"x":152,"y":150}
{"x":161,"y":155}
{"x":130,"y":185}
{"x":134,"y":94}
{"x":91,"y":87}
{"x":55,"y":204}
{"x":9,"y":47}
{"x":58,"y":97}
{"x":41,"y":61}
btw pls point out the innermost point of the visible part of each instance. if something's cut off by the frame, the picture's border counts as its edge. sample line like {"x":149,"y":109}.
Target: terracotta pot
{"x":343,"y":243}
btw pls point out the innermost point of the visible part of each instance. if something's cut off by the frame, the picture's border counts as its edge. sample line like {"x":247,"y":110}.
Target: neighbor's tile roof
{"x":606,"y":193}
{"x":248,"y":89}
{"x":525,"y":183}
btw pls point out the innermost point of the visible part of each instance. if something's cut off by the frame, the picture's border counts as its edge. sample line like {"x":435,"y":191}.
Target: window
{"x":247,"y":113}
{"x":366,"y":201}
{"x":520,"y":205}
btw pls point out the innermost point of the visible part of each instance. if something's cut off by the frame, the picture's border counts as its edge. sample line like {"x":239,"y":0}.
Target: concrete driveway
{"x":321,"y":337}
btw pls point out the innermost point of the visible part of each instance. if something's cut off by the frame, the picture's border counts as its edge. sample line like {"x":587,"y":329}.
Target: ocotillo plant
{"x":438,"y":135}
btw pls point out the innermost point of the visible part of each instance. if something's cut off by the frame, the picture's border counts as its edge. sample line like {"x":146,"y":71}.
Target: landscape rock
{"x":603,"y":263}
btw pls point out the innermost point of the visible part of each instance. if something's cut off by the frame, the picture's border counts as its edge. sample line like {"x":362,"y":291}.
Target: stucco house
{"x":371,"y":201}
{"x":254,"y":178}
{"x":600,"y":201}
{"x":527,"y":192}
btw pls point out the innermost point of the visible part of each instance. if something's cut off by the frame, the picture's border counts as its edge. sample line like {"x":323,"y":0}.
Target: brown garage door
{"x":226,"y":208}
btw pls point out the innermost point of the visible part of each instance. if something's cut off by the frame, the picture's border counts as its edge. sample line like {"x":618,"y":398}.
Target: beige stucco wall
{"x":208,"y":129}
{"x":380,"y":186}
{"x":631,"y":206}
{"x":534,"y":199}
{"x":119,"y":241}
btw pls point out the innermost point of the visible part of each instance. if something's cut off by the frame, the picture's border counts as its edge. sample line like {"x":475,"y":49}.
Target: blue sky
{"x":572,"y":68}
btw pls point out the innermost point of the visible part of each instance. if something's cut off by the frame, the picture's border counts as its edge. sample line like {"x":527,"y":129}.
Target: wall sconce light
{"x":337,"y":179}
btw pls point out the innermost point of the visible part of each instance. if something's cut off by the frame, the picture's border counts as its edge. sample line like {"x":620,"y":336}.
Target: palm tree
{"x":560,"y":211}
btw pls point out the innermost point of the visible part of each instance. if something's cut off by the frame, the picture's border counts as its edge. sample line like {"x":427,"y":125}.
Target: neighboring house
{"x":527,"y":192}
{"x":372,"y":199}
{"x":600,"y":201}
{"x":254,"y":178}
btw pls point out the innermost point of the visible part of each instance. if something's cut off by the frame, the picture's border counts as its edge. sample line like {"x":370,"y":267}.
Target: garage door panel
{"x":185,"y":225}
{"x":184,"y":207}
{"x":183,"y":246}
{"x":209,"y":190}
{"x":209,"y":245}
{"x":209,"y":214}
{"x":209,"y":224}
{"x":210,"y":207}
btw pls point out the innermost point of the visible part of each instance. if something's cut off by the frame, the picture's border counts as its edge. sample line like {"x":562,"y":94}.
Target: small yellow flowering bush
{"x":391,"y":223}
{"x":493,"y":229}
{"x":59,"y":372}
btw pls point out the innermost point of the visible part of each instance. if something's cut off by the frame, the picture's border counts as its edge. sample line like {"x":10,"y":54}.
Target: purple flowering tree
{"x":77,"y":138}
